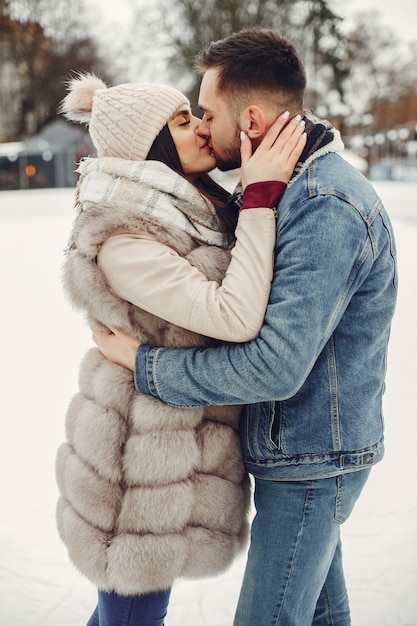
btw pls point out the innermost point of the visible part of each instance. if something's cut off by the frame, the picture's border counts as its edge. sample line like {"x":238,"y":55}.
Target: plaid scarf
{"x":149,"y":188}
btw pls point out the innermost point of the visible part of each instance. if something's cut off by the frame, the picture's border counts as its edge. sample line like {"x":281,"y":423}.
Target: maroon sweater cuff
{"x":264,"y":194}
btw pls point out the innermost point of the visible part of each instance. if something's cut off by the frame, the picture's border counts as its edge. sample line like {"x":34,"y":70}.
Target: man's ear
{"x":253,"y":121}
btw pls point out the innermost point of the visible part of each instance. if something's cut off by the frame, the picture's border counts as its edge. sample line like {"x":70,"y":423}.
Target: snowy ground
{"x":41,"y":344}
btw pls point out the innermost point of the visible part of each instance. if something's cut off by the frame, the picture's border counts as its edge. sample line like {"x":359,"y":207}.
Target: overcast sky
{"x":400,"y":15}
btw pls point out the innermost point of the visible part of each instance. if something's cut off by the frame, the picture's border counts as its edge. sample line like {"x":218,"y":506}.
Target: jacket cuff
{"x":143,"y":367}
{"x":264,"y":194}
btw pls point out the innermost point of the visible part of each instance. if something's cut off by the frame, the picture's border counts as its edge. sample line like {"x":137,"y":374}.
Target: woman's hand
{"x":277,"y":154}
{"x":117,"y":346}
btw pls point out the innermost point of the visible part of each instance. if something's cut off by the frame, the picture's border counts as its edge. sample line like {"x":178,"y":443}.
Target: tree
{"x":352,"y":67}
{"x":179,"y":29}
{"x":42,"y":41}
{"x":382,"y":70}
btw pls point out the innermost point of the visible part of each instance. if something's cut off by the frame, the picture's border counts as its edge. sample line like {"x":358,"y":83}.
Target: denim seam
{"x":294,"y":552}
{"x":256,"y":449}
{"x":333,"y":384}
{"x":353,"y":276}
{"x":328,"y":602}
{"x":272,"y":446}
{"x":339,"y":517}
{"x":130,"y":613}
{"x":392,"y":250}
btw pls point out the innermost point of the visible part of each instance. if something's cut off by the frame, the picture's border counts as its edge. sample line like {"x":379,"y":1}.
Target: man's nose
{"x":203,"y":128}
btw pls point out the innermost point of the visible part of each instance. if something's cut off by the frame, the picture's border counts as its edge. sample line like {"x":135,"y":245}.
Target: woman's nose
{"x":202,"y":128}
{"x":196,"y":124}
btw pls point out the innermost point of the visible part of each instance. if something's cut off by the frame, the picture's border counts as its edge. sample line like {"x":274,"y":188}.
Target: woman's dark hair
{"x":163,"y":149}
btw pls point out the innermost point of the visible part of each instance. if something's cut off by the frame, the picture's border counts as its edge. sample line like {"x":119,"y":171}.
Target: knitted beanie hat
{"x":124,"y":120}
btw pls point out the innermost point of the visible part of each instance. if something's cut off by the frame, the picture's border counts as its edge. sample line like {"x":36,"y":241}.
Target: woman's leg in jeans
{"x":142,"y":610}
{"x":93,"y":621}
{"x":294,"y":541}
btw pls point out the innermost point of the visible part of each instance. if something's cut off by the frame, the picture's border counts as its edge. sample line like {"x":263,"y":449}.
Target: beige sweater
{"x":154,"y":277}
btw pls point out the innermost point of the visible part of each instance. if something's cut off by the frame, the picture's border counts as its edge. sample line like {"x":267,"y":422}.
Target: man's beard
{"x":227,"y":164}
{"x":231,"y":157}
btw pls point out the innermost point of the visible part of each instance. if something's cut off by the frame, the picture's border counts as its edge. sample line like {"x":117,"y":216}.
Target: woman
{"x":150,"y":493}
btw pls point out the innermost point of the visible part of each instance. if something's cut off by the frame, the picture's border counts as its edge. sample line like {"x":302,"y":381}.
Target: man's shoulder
{"x":331,"y":174}
{"x":333,"y":170}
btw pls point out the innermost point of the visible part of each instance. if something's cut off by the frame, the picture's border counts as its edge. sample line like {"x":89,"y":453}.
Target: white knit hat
{"x":124,"y":120}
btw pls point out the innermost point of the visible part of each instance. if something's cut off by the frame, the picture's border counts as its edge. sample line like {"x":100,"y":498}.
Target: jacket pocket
{"x":258,"y":430}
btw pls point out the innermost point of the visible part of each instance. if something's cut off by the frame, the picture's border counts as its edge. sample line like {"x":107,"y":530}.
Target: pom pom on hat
{"x":124,"y":120}
{"x":78,"y":104}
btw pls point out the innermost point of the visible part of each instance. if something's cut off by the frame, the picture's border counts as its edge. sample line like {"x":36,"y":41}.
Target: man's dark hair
{"x":256,"y":61}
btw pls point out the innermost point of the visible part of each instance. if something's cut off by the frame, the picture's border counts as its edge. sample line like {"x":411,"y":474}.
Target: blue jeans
{"x":294,"y":574}
{"x":145,"y":610}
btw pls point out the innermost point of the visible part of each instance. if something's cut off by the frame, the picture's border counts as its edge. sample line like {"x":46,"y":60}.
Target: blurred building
{"x":44,"y":160}
{"x":391,"y":154}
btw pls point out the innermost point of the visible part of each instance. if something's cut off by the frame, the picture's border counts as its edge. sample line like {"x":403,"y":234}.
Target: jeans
{"x":294,"y":573}
{"x":144,"y":610}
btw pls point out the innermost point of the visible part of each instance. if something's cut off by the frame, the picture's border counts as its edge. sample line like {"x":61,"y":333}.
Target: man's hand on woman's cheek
{"x":117,"y":346}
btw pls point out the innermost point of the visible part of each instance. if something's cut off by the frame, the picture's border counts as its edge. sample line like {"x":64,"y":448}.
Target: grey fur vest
{"x":149,"y":493}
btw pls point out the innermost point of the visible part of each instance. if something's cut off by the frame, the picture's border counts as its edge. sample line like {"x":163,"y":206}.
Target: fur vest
{"x":149,"y":493}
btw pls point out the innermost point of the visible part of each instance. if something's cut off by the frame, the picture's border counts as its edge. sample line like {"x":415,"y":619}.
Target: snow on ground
{"x":41,"y":344}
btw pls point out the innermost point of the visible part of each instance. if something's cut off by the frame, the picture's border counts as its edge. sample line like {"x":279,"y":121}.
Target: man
{"x":314,"y":377}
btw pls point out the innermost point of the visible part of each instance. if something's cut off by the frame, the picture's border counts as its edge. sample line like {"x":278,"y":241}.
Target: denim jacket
{"x":314,"y":378}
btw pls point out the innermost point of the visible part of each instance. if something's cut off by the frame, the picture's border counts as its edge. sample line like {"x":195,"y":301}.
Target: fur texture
{"x":78,"y":103}
{"x":149,"y":493}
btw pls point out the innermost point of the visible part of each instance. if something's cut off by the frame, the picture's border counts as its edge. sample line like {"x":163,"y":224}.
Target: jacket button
{"x":367,"y":459}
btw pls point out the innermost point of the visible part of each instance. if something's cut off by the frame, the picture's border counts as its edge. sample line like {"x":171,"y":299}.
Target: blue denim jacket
{"x":314,"y":378}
